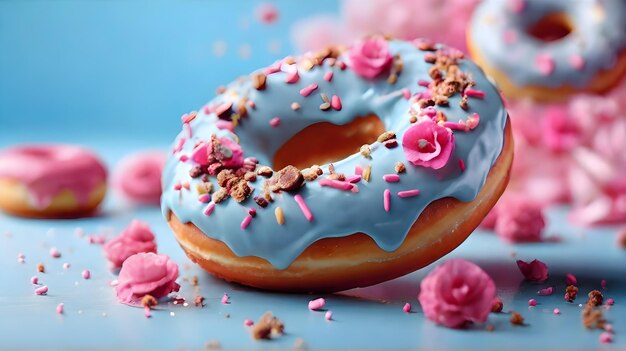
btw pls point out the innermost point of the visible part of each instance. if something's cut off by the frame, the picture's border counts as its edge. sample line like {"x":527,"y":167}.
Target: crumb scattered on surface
{"x":593,"y":318}
{"x":571,"y":292}
{"x":497,"y":305}
{"x":400,"y":167}
{"x":516,"y":318}
{"x":300,"y":345}
{"x":199,"y":301}
{"x":41,"y":268}
{"x":595,"y":298}
{"x":213,"y":345}
{"x":267,"y":327}
{"x":194,"y":280}
{"x":149,"y":301}
{"x":490,"y":327}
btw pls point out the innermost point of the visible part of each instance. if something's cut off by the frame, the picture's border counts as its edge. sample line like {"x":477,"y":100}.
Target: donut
{"x":550,"y":50}
{"x":51,"y":181}
{"x":137,"y":177}
{"x":340,"y":168}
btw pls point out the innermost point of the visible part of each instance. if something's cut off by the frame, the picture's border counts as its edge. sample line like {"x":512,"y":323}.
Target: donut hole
{"x":551,"y":27}
{"x":324,"y":142}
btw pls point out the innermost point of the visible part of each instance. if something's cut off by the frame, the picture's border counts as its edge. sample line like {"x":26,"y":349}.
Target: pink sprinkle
{"x":546,"y":291}
{"x":60,"y":308}
{"x":146,"y":312}
{"x":275,"y":122}
{"x":475,"y":93}
{"x":41,"y":290}
{"x":267,"y":13}
{"x":86,"y":274}
{"x":274,"y":68}
{"x":429,"y":111}
{"x":252,"y":212}
{"x":303,"y":207}
{"x":387,"y":200}
{"x":335,"y":102}
{"x":34,"y":279}
{"x":406,"y":308}
{"x":225,"y":125}
{"x":207,"y":109}
{"x":204,"y":198}
{"x":462,"y":165}
{"x":183,"y":158}
{"x":391,"y":178}
{"x":337,"y":184}
{"x":317,"y":304}
{"x":610,"y":301}
{"x":408,"y":193}
{"x":423,"y":83}
{"x":455,"y":125}
{"x":342,"y":65}
{"x":185,"y":185}
{"x":225,"y":299}
{"x":570,"y":279}
{"x":246,"y":222}
{"x":292,"y":77}
{"x":354,"y":179}
{"x":21,"y":258}
{"x":66,"y":265}
{"x":179,"y":145}
{"x":248,"y":322}
{"x":556,"y":311}
{"x":55,"y":253}
{"x":545,"y":64}
{"x":251,"y":104}
{"x":187,"y":127}
{"x":577,"y":62}
{"x":209,"y":209}
{"x":358,"y":170}
{"x":606,"y":337}
{"x":608,"y":327}
{"x":510,"y":36}
{"x":603,"y":284}
{"x":406,"y":93}
{"x":517,"y":6}
{"x":177,"y":186}
{"x":532,"y":302}
{"x":328,"y":76}
{"x":472,"y":121}
{"x":306,"y":91}
{"x":113,"y":283}
{"x":328,"y":315}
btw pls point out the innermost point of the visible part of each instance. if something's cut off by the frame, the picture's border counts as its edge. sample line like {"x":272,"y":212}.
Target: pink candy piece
{"x":304,"y":208}
{"x":292,"y":77}
{"x":335,"y":103}
{"x":474,"y":93}
{"x":317,"y":304}
{"x":610,"y":301}
{"x":606,"y":337}
{"x":387,"y":200}
{"x":55,"y":253}
{"x":570,"y":279}
{"x":328,"y":76}
{"x":86,"y":274}
{"x":248,"y":322}
{"x":406,"y":308}
{"x":66,"y":266}
{"x":34,"y":280}
{"x":423,"y":83}
{"x":225,"y":125}
{"x":546,"y":291}
{"x":306,"y":91}
{"x":406,"y":93}
{"x":545,"y":64}
{"x":328,"y":315}
{"x":354,"y":179}
{"x":60,"y":308}
{"x":408,"y":193}
{"x":225,"y":299}
{"x":556,"y":311}
{"x":146,"y":312}
{"x":338,"y":184}
{"x":603,"y":284}
{"x":41,"y":290}
{"x":391,"y":178}
{"x":532,"y":302}
{"x":358,"y":170}
{"x":535,"y":270}
{"x":204,"y":198}
{"x":246,"y":222}
{"x":146,"y":273}
{"x":138,"y":176}
{"x":577,"y":62}
{"x":275,"y":122}
{"x":209,"y":209}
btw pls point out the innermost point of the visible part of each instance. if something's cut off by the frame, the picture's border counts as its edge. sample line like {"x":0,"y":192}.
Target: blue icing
{"x":338,"y":213}
{"x":598,"y":36}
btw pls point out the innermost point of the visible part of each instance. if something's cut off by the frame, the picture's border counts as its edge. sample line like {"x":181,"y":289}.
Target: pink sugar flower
{"x":520,"y":220}
{"x":534,"y":271}
{"x":428,"y":144}
{"x":457,"y":292}
{"x":146,"y":273}
{"x":136,"y":238}
{"x":370,"y":57}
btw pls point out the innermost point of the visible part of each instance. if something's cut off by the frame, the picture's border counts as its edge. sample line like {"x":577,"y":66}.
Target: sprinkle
{"x":225,"y":299}
{"x":577,"y":62}
{"x":303,"y":207}
{"x":406,"y":93}
{"x":209,"y":209}
{"x":462,"y":165}
{"x":408,"y":193}
{"x":246,"y":222}
{"x":406,"y":308}
{"x":570,"y":279}
{"x":358,"y":170}
{"x":608,"y":327}
{"x":391,"y":178}
{"x":204,"y":198}
{"x":317,"y":304}
{"x":60,"y":308}
{"x":292,"y":77}
{"x":532,"y":302}
{"x":335,"y":102}
{"x":423,"y":83}
{"x":183,"y":158}
{"x":610,"y":301}
{"x":556,"y":311}
{"x":429,"y":111}
{"x":328,"y":315}
{"x":185,"y":185}
{"x":603,"y":284}
{"x":21,"y":258}
{"x":34,"y":279}
{"x":225,"y":125}
{"x":55,"y":253}
{"x":187,"y":127}
{"x":177,"y":186}
{"x":86,"y":274}
{"x":545,"y":64}
{"x":606,"y":337}
{"x":328,"y":76}
{"x":545,"y":291}
{"x":295,"y":106}
{"x":354,"y":179}
{"x":386,"y":199}
{"x":248,"y":322}
{"x":275,"y":122}
{"x":338,"y":184}
{"x":41,"y":290}
{"x":188,"y":117}
{"x":280,"y":217}
{"x":474,"y":93}
{"x":306,"y":91}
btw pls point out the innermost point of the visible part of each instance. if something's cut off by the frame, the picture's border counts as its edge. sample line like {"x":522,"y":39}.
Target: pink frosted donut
{"x":138,"y":177}
{"x":51,"y":181}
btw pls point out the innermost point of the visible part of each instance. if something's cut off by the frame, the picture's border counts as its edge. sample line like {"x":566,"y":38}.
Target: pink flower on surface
{"x":457,"y":292}
{"x":519,"y":220}
{"x":146,"y":273}
{"x":136,"y":238}
{"x":138,"y":177}
{"x":370,"y":57}
{"x":534,"y":271}
{"x":428,"y":144}
{"x":561,"y":132}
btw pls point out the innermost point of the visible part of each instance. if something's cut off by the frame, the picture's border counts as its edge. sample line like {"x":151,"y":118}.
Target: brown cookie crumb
{"x":412,"y":119}
{"x":464,"y":103}
{"x":219,"y":196}
{"x":213,"y":345}
{"x":264,"y":171}
{"x":288,"y":178}
{"x":516,"y":318}
{"x":41,"y":268}
{"x":570,"y":293}
{"x":267,"y":326}
{"x":241,"y":190}
{"x":393,"y":78}
{"x":426,"y":46}
{"x":224,"y":111}
{"x":400,"y":167}
{"x":386,"y":136}
{"x":259,"y":81}
{"x":194,"y":280}
{"x":390,"y":144}
{"x":149,"y":301}
{"x":196,"y":171}
{"x":490,"y":327}
{"x":261,"y":201}
{"x":250,"y":176}
{"x":204,"y":188}
{"x":199,"y":301}
{"x":224,"y":176}
{"x":295,"y":106}
{"x":595,"y":298}
{"x":366,"y":150}
{"x":497,"y":305}
{"x":593,"y":318}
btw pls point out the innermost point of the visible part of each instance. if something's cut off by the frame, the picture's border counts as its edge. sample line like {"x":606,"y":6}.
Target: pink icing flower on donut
{"x":457,"y":292}
{"x":519,"y":220}
{"x":138,"y":177}
{"x":534,"y":271}
{"x":218,"y":150}
{"x":428,"y":144}
{"x":136,"y":238}
{"x":370,"y":57}
{"x":146,"y":273}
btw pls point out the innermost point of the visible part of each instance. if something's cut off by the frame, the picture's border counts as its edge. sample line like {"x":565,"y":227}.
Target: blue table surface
{"x":367,"y":318}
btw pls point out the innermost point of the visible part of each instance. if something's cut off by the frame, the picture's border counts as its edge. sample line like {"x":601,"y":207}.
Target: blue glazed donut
{"x":548,"y":50}
{"x":436,"y":149}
